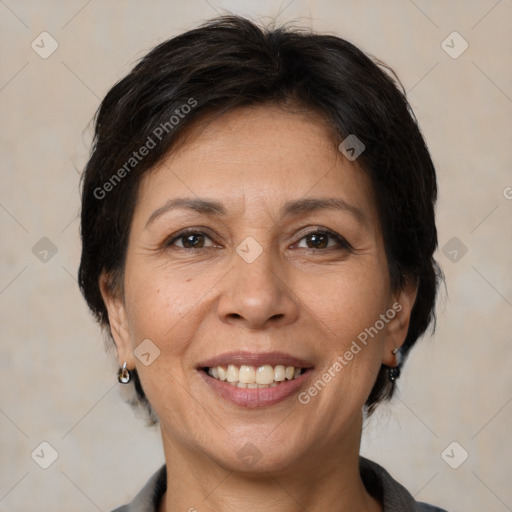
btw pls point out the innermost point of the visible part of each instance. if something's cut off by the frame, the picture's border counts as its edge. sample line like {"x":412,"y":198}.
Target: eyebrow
{"x":290,"y":208}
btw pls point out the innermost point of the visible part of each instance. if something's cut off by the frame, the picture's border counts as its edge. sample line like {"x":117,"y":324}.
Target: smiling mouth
{"x":252,"y":377}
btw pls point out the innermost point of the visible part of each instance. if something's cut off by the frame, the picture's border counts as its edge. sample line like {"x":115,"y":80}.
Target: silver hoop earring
{"x":398,"y":355}
{"x":124,"y":376}
{"x":394,"y":371}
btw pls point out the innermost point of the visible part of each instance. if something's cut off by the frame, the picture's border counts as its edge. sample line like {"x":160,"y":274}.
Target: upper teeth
{"x":252,"y":377}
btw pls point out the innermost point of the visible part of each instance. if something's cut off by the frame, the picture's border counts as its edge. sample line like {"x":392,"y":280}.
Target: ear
{"x":118,"y":320}
{"x":398,"y":326}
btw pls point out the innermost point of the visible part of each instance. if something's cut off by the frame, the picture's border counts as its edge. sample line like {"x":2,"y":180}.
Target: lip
{"x":255,"y":359}
{"x":255,"y":397}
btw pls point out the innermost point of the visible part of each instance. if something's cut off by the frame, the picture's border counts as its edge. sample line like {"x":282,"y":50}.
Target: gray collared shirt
{"x":380,"y":484}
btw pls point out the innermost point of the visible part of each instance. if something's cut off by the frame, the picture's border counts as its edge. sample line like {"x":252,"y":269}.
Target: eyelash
{"x":343,"y":244}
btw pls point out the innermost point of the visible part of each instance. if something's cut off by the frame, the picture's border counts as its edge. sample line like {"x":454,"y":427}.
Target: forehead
{"x":257,"y":158}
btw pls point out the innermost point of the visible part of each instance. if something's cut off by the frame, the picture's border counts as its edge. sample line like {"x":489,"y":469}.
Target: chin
{"x":258,"y":453}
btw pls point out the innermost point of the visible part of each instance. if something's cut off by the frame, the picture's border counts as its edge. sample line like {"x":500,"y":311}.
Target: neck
{"x":323,"y":480}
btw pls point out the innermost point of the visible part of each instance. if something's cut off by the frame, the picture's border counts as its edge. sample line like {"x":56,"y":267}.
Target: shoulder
{"x":148,"y":498}
{"x":425,"y":507}
{"x":394,"y":496}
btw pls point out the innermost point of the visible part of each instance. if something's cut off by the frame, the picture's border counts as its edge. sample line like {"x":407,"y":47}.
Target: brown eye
{"x":320,"y":240}
{"x":190,"y":240}
{"x":194,"y":240}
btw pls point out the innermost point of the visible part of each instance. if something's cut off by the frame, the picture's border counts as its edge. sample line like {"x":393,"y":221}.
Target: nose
{"x":257,"y":294}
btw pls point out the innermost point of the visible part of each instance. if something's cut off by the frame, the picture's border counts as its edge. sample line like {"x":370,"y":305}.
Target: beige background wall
{"x":58,"y":385}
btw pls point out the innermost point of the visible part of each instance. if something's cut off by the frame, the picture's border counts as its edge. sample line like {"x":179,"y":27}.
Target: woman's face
{"x":285,"y":268}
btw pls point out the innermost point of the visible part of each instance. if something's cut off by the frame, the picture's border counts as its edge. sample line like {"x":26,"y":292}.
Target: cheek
{"x":346,"y":310}
{"x":161,"y":306}
{"x":348,"y":301}
{"x":162,"y":309}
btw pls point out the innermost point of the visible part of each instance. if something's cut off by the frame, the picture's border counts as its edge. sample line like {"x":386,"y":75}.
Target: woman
{"x":258,"y":230}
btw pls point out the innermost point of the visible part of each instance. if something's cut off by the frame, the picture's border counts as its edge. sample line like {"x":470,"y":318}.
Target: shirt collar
{"x":378,"y":482}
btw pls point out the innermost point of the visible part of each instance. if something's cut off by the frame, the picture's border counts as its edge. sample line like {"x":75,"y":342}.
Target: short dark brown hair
{"x":230,"y":62}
